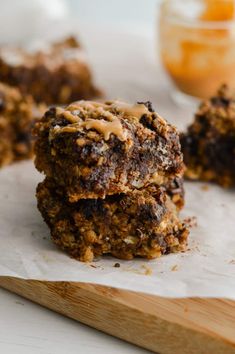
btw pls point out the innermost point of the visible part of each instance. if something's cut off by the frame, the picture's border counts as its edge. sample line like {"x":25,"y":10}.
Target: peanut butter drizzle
{"x":136,"y":110}
{"x":70,"y":117}
{"x":110,"y":125}
{"x":106,"y":127}
{"x":87,"y":105}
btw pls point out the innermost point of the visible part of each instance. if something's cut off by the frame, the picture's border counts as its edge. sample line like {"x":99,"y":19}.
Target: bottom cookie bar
{"x":142,"y":223}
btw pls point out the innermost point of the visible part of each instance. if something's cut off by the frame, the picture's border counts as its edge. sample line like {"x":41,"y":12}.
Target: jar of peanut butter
{"x":197,"y":44}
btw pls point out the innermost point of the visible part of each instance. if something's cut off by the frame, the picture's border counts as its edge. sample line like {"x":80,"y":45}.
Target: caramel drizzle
{"x":106,"y":127}
{"x":136,"y":110}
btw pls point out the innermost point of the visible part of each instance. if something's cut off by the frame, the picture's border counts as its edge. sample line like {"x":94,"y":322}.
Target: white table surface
{"x":27,"y":328}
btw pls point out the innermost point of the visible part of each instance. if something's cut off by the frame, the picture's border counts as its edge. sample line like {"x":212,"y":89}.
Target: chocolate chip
{"x":220,"y":101}
{"x":2,"y":103}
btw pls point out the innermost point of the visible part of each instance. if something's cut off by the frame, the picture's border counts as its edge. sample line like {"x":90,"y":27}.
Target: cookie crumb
{"x":19,"y":303}
{"x":191,"y":221}
{"x":175,"y":268}
{"x":147,"y":270}
{"x":205,"y":187}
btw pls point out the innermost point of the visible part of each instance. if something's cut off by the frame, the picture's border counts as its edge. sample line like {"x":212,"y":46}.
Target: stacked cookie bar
{"x":113,"y":180}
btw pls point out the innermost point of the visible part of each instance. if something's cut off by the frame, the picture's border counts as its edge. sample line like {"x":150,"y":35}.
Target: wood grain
{"x":167,"y":326}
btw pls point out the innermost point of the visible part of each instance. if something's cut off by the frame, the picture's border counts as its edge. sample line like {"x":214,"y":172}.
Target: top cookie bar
{"x":58,"y":74}
{"x":96,"y":149}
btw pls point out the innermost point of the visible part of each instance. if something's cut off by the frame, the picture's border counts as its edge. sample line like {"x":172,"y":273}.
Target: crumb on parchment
{"x":191,"y":221}
{"x":147,"y":270}
{"x":175,"y":268}
{"x":205,"y":187}
{"x":232,"y":261}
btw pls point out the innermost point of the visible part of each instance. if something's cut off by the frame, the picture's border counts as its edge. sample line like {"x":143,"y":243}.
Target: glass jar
{"x":197,"y":44}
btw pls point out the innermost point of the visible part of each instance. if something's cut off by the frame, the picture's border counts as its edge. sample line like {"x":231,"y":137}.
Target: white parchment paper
{"x":125,"y":67}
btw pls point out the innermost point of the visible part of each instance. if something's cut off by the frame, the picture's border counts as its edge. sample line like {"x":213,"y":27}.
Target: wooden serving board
{"x":162,"y":325}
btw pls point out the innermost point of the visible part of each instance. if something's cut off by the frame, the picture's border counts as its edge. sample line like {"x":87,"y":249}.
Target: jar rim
{"x":177,"y":12}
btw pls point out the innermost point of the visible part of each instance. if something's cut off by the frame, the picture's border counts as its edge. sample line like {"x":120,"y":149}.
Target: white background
{"x":24,"y":20}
